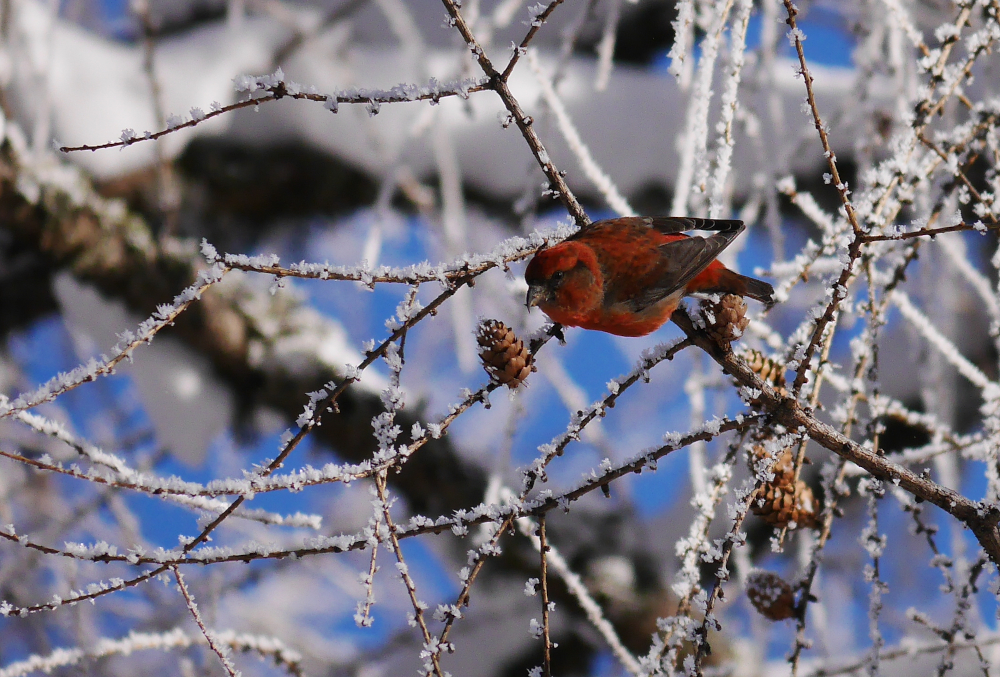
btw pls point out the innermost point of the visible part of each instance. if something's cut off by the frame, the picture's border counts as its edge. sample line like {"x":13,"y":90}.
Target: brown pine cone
{"x":504,"y":356}
{"x":783,"y":467}
{"x":767,"y":368}
{"x":725,"y":319}
{"x":780,"y":505}
{"x":784,"y":499}
{"x":770,"y":595}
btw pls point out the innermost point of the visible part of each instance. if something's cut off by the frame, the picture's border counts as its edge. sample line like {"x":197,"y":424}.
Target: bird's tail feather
{"x":729,"y":282}
{"x":758,"y":289}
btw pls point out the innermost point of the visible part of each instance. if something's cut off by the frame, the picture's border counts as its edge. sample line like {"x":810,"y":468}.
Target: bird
{"x":627,"y":275}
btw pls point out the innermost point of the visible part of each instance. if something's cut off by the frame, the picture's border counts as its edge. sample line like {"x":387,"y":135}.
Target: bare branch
{"x":982,"y":518}
{"x":277,"y":88}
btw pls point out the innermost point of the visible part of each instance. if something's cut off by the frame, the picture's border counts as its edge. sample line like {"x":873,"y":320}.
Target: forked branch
{"x":981,"y":517}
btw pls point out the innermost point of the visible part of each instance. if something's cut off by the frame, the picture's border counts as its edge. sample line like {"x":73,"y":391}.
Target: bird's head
{"x":566,"y":275}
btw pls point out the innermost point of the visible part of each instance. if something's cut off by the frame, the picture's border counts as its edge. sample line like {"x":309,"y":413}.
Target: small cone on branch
{"x":770,"y":595}
{"x":769,"y":370}
{"x":784,"y":500}
{"x":781,"y":505}
{"x":505,"y":357}
{"x":725,"y":319}
{"x":783,"y":467}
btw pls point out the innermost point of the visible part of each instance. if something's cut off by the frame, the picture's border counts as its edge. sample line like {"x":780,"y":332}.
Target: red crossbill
{"x":626,"y":276}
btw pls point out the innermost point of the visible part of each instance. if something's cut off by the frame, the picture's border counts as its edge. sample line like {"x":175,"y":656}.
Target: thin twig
{"x":543,"y":550}
{"x":854,"y":248}
{"x":281,"y":90}
{"x":219,"y":650}
{"x":591,"y":169}
{"x":404,"y":571}
{"x":176,"y":638}
{"x":521,"y":50}
{"x":929,"y":232}
{"x":558,"y":188}
{"x":164,"y":317}
{"x":576,"y":587}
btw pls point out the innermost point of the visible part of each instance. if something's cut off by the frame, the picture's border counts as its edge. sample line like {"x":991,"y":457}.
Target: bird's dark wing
{"x":682,"y":259}
{"x":671,"y":225}
{"x":667,"y":225}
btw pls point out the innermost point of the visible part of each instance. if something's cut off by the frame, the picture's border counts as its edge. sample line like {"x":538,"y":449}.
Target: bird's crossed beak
{"x":536,"y":294}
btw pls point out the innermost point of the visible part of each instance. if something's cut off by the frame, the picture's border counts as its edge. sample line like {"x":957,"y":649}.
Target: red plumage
{"x":626,"y":276}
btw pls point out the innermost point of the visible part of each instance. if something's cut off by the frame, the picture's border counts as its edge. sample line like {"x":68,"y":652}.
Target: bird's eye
{"x":558,"y":276}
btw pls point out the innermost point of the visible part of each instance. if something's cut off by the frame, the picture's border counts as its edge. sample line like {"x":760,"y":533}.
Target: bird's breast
{"x":618,"y":319}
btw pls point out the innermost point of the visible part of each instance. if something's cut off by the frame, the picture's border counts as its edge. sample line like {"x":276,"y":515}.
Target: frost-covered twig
{"x":590,"y":168}
{"x":928,"y":232}
{"x":217,"y":647}
{"x":537,"y":19}
{"x":162,"y":641}
{"x":468,"y":576}
{"x":404,"y":572}
{"x":949,"y":350}
{"x":543,"y":551}
{"x":680,"y":51}
{"x":558,"y":187}
{"x":730,"y":103}
{"x":576,"y":587}
{"x":980,"y":517}
{"x":796,"y":37}
{"x":694,"y":388}
{"x":874,"y":543}
{"x":956,"y":250}
{"x":960,"y":624}
{"x":417,"y":526}
{"x":386,"y":432}
{"x":606,"y":47}
{"x":276,"y":87}
{"x":190,"y":494}
{"x":57,"y":431}
{"x":854,"y":245}
{"x":693,"y":140}
{"x":983,"y":206}
{"x":693,"y":550}
{"x":578,"y":422}
{"x":510,"y":250}
{"x":908,"y":648}
{"x":164,"y":316}
{"x":902,"y":19}
{"x":807,"y":203}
